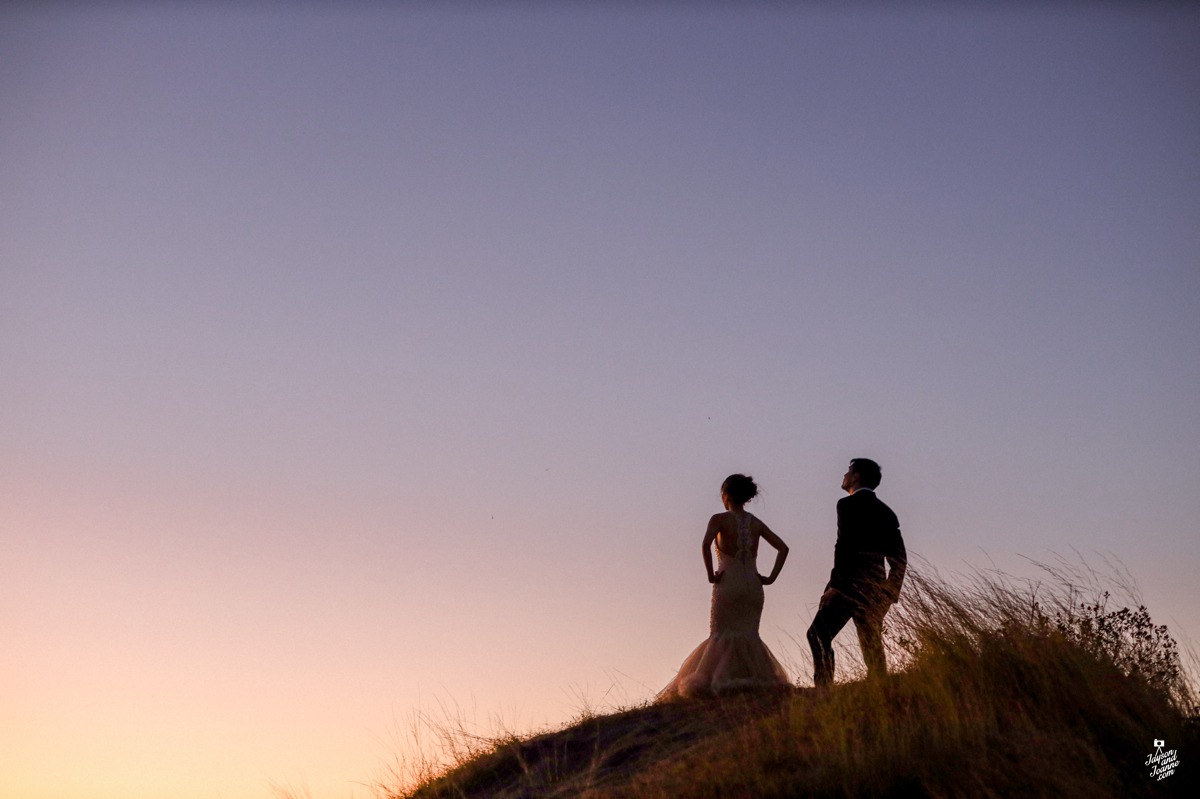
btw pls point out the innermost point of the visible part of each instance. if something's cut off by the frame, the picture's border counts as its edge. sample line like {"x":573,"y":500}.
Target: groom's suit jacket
{"x":868,"y":534}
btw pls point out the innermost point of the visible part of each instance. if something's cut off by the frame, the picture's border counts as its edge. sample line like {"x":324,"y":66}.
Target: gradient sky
{"x":355,"y":360}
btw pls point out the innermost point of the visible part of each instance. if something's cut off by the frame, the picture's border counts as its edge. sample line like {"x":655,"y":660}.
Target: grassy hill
{"x":999,"y":691}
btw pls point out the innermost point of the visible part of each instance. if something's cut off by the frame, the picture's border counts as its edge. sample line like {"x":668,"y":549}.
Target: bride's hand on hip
{"x":766,"y":580}
{"x":716,"y":578}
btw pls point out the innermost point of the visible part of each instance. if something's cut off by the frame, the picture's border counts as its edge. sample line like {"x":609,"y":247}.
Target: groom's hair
{"x":740,"y":488}
{"x":868,"y":471}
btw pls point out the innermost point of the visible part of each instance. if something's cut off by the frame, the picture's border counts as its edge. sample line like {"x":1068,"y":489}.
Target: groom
{"x":859,"y":588}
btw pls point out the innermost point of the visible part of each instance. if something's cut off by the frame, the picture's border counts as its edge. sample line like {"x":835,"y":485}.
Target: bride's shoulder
{"x":720,"y":520}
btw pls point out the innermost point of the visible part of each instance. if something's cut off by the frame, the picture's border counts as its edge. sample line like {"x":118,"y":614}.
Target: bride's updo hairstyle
{"x":739,"y":488}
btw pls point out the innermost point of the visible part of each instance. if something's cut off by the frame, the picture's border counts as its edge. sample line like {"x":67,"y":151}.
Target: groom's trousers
{"x":829,"y":621}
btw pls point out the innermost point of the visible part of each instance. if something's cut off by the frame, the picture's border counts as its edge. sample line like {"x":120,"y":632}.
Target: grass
{"x":998,"y":689}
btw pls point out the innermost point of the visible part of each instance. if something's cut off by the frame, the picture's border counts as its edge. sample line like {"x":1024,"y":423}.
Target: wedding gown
{"x":734,"y":657}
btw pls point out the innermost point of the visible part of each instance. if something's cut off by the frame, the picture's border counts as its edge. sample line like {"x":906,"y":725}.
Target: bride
{"x":733,"y":657}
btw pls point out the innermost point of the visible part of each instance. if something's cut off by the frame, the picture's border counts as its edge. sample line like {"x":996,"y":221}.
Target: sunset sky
{"x":358,"y":361}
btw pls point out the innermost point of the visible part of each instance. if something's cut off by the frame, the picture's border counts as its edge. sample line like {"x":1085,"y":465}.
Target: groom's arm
{"x":838,"y":574}
{"x":897,"y":560}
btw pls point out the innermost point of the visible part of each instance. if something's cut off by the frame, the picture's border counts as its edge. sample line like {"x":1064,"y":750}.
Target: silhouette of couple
{"x":860,"y":589}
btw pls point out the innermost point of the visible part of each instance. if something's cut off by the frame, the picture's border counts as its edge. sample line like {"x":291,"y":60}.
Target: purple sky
{"x":354,"y":359}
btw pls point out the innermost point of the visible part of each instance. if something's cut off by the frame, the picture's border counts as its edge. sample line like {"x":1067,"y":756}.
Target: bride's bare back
{"x":723,"y":527}
{"x":727,"y":532}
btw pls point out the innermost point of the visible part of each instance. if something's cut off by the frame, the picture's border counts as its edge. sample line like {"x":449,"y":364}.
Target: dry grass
{"x":1002,"y":689}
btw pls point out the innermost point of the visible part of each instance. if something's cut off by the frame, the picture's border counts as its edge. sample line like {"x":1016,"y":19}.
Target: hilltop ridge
{"x":997,"y":694}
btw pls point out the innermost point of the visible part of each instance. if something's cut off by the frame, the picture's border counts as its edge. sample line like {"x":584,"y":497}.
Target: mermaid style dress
{"x":734,"y":657}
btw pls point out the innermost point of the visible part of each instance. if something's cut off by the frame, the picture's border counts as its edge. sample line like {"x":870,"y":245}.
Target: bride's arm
{"x":781,"y":553}
{"x":710,"y":535}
